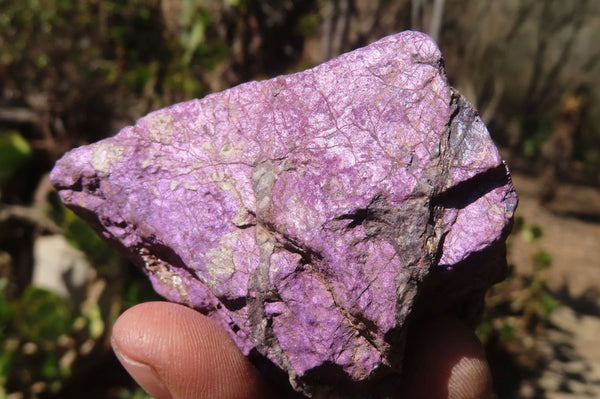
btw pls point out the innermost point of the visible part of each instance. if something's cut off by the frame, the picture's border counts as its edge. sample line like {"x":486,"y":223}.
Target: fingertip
{"x":143,"y":374}
{"x":470,"y":378}
{"x":170,"y":346}
{"x":445,"y":360}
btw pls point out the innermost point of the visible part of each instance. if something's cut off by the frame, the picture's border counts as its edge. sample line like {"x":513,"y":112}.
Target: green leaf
{"x":8,"y":358}
{"x":532,"y":233}
{"x":14,"y":152}
{"x":507,"y":331}
{"x":139,"y":393}
{"x":193,"y":39}
{"x":42,"y":316}
{"x":542,"y":260}
{"x":83,"y":237}
{"x":485,"y":329}
{"x":549,"y":304}
{"x":7,"y":312}
{"x":96,"y":324}
{"x":50,"y":368}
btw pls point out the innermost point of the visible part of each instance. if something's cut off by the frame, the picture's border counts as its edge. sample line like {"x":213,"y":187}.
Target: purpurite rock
{"x":312,"y":215}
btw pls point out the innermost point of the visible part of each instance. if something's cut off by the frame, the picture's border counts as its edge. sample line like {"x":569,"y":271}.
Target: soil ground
{"x":570,"y":233}
{"x":570,"y":226}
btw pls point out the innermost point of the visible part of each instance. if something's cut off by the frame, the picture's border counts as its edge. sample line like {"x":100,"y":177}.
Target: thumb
{"x":174,"y":352}
{"x":445,"y":360}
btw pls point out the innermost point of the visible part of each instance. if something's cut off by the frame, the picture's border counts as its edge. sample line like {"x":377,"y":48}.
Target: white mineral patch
{"x":160,"y":127}
{"x":106,"y":155}
{"x":220,"y":262}
{"x":189,"y":186}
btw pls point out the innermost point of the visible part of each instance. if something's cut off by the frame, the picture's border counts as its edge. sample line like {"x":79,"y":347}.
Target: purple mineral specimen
{"x":312,"y":215}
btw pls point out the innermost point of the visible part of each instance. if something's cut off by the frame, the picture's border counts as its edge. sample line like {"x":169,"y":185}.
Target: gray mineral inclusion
{"x":312,"y":215}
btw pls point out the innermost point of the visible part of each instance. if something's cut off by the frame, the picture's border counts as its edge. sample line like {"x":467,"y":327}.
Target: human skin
{"x":174,"y":352}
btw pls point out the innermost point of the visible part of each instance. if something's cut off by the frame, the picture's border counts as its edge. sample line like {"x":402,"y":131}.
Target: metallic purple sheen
{"x":312,"y":215}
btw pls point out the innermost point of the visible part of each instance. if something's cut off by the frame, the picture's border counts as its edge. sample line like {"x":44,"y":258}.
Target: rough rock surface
{"x":312,"y":215}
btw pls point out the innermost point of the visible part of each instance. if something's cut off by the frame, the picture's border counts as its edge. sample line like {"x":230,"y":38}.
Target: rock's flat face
{"x":305,"y":213}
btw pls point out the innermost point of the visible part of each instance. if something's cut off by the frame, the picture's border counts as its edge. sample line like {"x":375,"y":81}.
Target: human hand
{"x":174,"y":352}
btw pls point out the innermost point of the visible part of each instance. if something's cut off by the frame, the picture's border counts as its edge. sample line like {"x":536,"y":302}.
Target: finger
{"x":445,"y":360}
{"x":174,"y":352}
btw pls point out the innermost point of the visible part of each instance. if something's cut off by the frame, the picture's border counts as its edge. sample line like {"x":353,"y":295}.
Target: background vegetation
{"x":75,"y":71}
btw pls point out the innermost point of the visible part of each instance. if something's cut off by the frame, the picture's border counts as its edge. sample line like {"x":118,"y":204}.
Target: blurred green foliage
{"x":41,"y":316}
{"x":530,"y":233}
{"x":136,"y":394}
{"x":14,"y":152}
{"x":80,"y":234}
{"x":532,"y":143}
{"x":44,"y":334}
{"x":542,"y":260}
{"x":32,"y":326}
{"x":518,"y":311}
